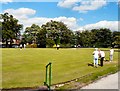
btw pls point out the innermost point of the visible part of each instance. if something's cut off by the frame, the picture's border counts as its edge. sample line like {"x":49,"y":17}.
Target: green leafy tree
{"x":116,"y":39}
{"x":57,"y":32}
{"x":10,"y":29}
{"x":30,"y":34}
{"x":0,"y":31}
{"x":86,"y":38}
{"x":41,"y":38}
{"x":104,"y":38}
{"x":94,"y":38}
{"x":78,"y":38}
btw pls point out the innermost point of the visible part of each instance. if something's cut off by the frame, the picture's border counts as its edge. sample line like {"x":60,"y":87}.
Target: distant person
{"x":111,"y":54}
{"x":102,"y":56}
{"x":58,"y":46}
{"x":95,"y":55}
{"x":20,"y":46}
{"x":24,"y":45}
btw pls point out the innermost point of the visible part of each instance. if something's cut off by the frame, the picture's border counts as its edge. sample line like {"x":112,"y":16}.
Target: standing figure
{"x":102,"y":56}
{"x":24,"y":45}
{"x":20,"y":46}
{"x":95,"y":55}
{"x":58,"y":46}
{"x":111,"y":54}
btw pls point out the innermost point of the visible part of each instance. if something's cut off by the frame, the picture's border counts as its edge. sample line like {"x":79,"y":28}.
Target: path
{"x":109,"y":82}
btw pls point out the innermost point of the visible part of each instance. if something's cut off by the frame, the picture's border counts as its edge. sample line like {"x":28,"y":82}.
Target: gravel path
{"x":109,"y":82}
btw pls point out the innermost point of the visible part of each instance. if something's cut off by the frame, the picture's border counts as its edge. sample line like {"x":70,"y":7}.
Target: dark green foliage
{"x":116,"y":39}
{"x":30,"y":35}
{"x":10,"y":29}
{"x":98,"y":38}
{"x":31,"y":46}
{"x":102,"y":38}
{"x":0,"y":31}
{"x":56,"y":33}
{"x":41,"y":38}
{"x":50,"y":43}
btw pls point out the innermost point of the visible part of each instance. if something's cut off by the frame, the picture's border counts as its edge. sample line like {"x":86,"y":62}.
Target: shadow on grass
{"x":92,"y":64}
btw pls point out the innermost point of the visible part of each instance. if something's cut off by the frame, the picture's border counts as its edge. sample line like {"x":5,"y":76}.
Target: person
{"x":24,"y":45}
{"x":111,"y":54}
{"x":58,"y":46}
{"x":95,"y":55}
{"x":102,"y":56}
{"x":20,"y":46}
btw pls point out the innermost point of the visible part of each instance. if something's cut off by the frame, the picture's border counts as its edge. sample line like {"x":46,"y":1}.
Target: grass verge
{"x":87,"y":79}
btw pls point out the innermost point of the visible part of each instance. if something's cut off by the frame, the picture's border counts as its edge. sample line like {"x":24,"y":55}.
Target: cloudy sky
{"x":76,"y":14}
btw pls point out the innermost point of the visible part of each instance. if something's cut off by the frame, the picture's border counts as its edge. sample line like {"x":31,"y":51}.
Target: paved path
{"x":109,"y":82}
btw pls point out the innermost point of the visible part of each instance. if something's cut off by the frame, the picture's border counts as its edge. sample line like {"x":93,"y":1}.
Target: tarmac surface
{"x":109,"y":82}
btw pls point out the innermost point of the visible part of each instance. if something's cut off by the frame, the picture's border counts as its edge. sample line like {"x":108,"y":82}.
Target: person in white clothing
{"x":96,"y":55}
{"x":24,"y":45}
{"x":58,"y":46}
{"x":20,"y":46}
{"x":111,"y":54}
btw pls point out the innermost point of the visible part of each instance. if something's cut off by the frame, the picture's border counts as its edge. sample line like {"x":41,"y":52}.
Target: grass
{"x":26,"y":68}
{"x":87,"y":79}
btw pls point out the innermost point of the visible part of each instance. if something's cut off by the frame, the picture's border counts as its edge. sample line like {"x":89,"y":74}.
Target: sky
{"x":78,"y":15}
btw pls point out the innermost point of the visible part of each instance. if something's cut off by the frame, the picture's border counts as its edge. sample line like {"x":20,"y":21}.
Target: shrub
{"x":50,"y":43}
{"x":31,"y":46}
{"x":65,"y":45}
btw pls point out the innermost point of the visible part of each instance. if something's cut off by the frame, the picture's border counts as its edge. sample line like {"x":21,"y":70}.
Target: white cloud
{"x":89,"y":5}
{"x":21,"y":13}
{"x":83,"y":5}
{"x":80,"y":19}
{"x":6,"y":1}
{"x":67,"y":3}
{"x":112,"y":25}
{"x":71,"y":22}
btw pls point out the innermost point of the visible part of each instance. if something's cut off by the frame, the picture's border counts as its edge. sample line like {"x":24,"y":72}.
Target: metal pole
{"x":46,"y":75}
{"x":49,"y":75}
{"x":48,"y":68}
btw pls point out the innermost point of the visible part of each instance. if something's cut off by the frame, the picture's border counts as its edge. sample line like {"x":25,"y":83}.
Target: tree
{"x":41,"y":38}
{"x":116,"y":39}
{"x":57,"y":32}
{"x":84,"y":38}
{"x":30,"y":34}
{"x":10,"y":29}
{"x":94,"y":38}
{"x":0,"y":31}
{"x":104,"y":37}
{"x":101,"y":37}
{"x":78,"y":38}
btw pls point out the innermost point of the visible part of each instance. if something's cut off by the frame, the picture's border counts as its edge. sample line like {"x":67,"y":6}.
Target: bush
{"x":65,"y":45}
{"x":31,"y":46}
{"x":50,"y":43}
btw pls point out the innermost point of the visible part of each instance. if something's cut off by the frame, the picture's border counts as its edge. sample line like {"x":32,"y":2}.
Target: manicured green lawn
{"x":26,"y":67}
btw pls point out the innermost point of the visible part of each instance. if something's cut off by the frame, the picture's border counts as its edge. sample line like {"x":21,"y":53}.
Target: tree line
{"x":55,"y":33}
